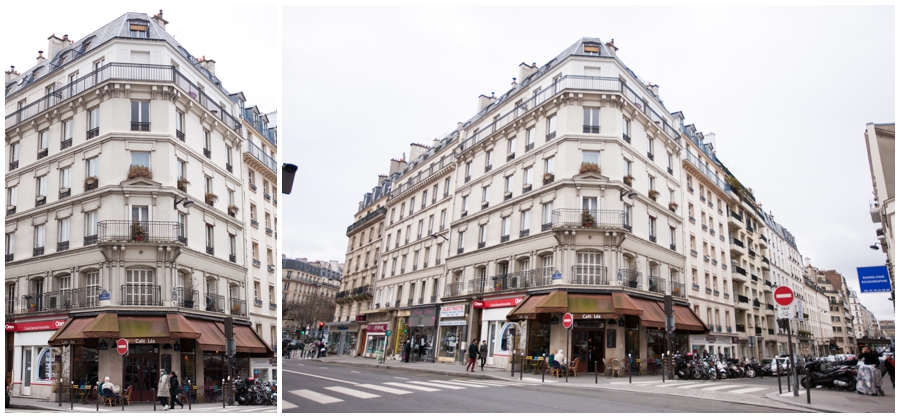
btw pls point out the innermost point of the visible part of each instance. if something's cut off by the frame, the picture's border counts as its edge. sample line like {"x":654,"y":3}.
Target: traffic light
{"x":302,"y":331}
{"x":321,"y":325}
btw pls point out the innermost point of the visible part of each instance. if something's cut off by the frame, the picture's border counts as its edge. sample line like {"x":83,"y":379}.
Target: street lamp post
{"x":443,"y":276}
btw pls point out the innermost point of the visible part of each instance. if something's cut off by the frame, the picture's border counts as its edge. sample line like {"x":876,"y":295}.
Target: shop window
{"x":48,"y":365}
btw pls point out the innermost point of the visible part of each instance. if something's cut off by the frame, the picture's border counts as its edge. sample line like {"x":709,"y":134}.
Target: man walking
{"x":482,"y":353}
{"x":473,"y":354}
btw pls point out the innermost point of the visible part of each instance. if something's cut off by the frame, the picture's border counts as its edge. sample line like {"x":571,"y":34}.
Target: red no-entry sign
{"x":122,"y":346}
{"x":784,"y":296}
{"x":567,"y":320}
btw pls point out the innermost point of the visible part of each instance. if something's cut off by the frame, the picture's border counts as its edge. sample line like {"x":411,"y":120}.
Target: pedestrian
{"x":482,"y":353}
{"x":407,"y":348}
{"x":174,"y":390}
{"x":473,"y":354}
{"x":889,"y":366}
{"x":869,"y":377}
{"x":162,"y":391}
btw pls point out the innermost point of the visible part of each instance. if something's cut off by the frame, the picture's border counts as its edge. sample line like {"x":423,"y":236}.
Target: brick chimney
{"x":416,"y":150}
{"x":526,"y":70}
{"x":611,"y":46}
{"x":40,"y":58}
{"x":210,"y":65}
{"x":55,"y":45}
{"x":11,"y":74}
{"x":159,"y":20}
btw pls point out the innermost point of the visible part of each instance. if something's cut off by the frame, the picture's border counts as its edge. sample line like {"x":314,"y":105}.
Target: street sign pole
{"x":793,"y":366}
{"x":568,"y":321}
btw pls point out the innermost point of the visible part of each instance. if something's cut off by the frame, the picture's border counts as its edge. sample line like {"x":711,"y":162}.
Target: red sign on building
{"x":497,"y":303}
{"x":376,"y":327}
{"x":36,"y":326}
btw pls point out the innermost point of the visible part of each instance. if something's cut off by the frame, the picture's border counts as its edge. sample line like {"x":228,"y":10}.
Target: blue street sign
{"x":556,"y":275}
{"x":873,"y":279}
{"x":104,"y":295}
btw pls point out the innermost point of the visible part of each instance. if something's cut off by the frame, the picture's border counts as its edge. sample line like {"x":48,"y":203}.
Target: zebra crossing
{"x":723,"y":387}
{"x":334,"y":394}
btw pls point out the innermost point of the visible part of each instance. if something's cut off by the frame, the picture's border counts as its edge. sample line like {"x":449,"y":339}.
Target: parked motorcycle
{"x":838,"y":377}
{"x":243,"y":390}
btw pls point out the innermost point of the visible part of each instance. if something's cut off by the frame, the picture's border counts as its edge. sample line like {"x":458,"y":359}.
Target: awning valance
{"x":246,"y":340}
{"x":653,"y":315}
{"x":555,"y":302}
{"x":685,"y":319}
{"x":105,"y":325}
{"x":144,"y":329}
{"x":70,"y":333}
{"x":180,"y":327}
{"x":526,"y":309}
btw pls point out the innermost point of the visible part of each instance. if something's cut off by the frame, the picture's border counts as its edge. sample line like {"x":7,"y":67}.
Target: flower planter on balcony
{"x":628,"y":180}
{"x":210,"y":198}
{"x":653,"y":194}
{"x":135,"y":171}
{"x":589,"y":168}
{"x":548,"y":178}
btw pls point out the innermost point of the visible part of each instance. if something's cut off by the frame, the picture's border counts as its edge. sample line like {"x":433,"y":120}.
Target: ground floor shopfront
{"x":418,"y":327}
{"x":607,"y":326}
{"x":343,"y":338}
{"x":716,"y":344}
{"x":83,"y":350}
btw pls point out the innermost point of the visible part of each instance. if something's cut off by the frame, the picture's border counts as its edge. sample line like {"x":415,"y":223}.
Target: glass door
{"x":26,"y":372}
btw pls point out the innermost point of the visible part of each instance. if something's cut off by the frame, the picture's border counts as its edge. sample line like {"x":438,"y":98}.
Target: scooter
{"x":242,"y":388}
{"x":818,"y":374}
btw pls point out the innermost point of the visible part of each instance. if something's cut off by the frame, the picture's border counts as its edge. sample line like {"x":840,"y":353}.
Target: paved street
{"x":312,"y":386}
{"x":312,"y":378}
{"x":26,"y":405}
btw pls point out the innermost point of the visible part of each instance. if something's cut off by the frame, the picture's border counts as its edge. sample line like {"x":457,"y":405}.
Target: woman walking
{"x":174,"y":390}
{"x":482,"y":353}
{"x":162,"y":391}
{"x":473,"y":354}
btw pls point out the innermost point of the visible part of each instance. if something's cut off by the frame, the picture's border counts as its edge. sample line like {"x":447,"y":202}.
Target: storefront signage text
{"x":35,"y":326}
{"x":141,"y":340}
{"x":590,"y":316}
{"x":452,"y":323}
{"x":497,"y":303}
{"x":451,"y":311}
{"x":376,"y":327}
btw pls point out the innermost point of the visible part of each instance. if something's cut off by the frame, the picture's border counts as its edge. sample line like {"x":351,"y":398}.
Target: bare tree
{"x":310,"y":311}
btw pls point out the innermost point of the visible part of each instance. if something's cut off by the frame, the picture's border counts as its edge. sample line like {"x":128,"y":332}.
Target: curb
{"x":778,"y":398}
{"x":439,"y":372}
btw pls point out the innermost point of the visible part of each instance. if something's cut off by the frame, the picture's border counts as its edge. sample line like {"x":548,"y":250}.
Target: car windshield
{"x":766,"y":361}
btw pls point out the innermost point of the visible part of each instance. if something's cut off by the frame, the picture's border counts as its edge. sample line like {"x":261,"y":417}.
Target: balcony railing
{"x":140,"y":295}
{"x":38,"y":251}
{"x":141,"y":231}
{"x":258,"y":153}
{"x":743,"y":299}
{"x":126,"y":72}
{"x":66,"y":143}
{"x":238,"y":306}
{"x":630,"y":278}
{"x":182,"y":300}
{"x":740,"y":328}
{"x":11,"y":304}
{"x":140,"y":126}
{"x":657,"y":284}
{"x":598,"y":219}
{"x":422,"y":175}
{"x":215,"y":302}
{"x":455,"y":289}
{"x":58,"y":300}
{"x":568,"y":82}
{"x":738,"y":270}
{"x":62,"y":246}
{"x":678,"y":289}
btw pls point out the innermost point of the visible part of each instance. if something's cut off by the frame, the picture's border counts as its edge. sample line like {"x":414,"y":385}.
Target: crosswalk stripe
{"x":403,"y":385}
{"x":437,"y":385}
{"x":466,"y":384}
{"x":695,"y":386}
{"x":789,"y":393}
{"x":384,"y":389}
{"x":722,"y":387}
{"x":670,"y":385}
{"x":482,"y":382}
{"x":315,"y":396}
{"x":747,"y":390}
{"x":532,"y":379}
{"x":352,"y":392}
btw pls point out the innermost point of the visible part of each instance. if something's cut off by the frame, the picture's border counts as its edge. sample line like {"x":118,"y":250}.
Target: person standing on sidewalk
{"x":482,"y":353}
{"x":407,"y":349}
{"x":889,"y":367}
{"x":174,"y":390}
{"x":162,"y":391}
{"x":473,"y":354}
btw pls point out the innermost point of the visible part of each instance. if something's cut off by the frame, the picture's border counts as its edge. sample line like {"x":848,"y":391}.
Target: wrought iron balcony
{"x":591,"y":129}
{"x":140,"y":126}
{"x":187,"y":299}
{"x":10,"y":210}
{"x":238,"y":306}
{"x":758,"y":330}
{"x":743,"y":299}
{"x":756,"y":303}
{"x":229,"y":167}
{"x":590,"y":275}
{"x":546,"y":227}
{"x":232,"y":258}
{"x":273,"y":306}
{"x":66,"y":193}
{"x":179,"y":135}
{"x":630,"y":278}
{"x":43,"y":153}
{"x":678,"y":289}
{"x":523,"y":233}
{"x":626,"y":138}
{"x":257,"y":263}
{"x":455,"y":289}
{"x":551,"y":135}
{"x":656,"y":284}
{"x":504,"y":238}
{"x":62,"y":246}
{"x":13,"y":165}
{"x":66,"y":143}
{"x":595,"y":219}
{"x":140,"y":295}
{"x":740,"y":328}
{"x":38,"y":251}
{"x":261,"y":156}
{"x":40,"y":201}
{"x":529,"y":147}
{"x":10,"y":257}
{"x":90,"y":240}
{"x":140,"y":231}
{"x":215,"y":302}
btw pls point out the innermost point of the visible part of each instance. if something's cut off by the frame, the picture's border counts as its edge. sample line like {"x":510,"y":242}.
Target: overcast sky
{"x":787,"y":91}
{"x":243,"y":40}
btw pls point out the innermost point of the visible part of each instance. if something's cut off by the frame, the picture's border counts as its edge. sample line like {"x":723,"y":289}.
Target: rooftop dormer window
{"x":591,"y":49}
{"x":86,"y":44}
{"x":138,"y":29}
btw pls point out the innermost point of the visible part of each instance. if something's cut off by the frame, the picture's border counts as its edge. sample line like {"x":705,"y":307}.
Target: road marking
{"x":315,"y":396}
{"x":401,"y":378}
{"x":635,"y":383}
{"x":747,"y":390}
{"x":722,"y":387}
{"x":695,"y":386}
{"x":321,"y":377}
{"x":384,"y":389}
{"x":534,"y":379}
{"x":353,"y":392}
{"x":404,"y":385}
{"x":467,"y":384}
{"x":801,"y":393}
{"x":668,"y":385}
{"x":437,"y":385}
{"x":353,"y":371}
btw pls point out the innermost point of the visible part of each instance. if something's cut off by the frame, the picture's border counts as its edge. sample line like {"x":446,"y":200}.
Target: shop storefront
{"x":191,"y":345}
{"x":494,"y":328}
{"x":401,"y":333}
{"x":714,"y":344}
{"x":35,"y":365}
{"x":342,"y":338}
{"x":264,"y":369}
{"x":452,"y":333}
{"x":422,"y":323}
{"x":375,"y":339}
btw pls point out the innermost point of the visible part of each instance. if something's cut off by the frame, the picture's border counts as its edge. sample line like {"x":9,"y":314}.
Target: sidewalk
{"x":25,"y":403}
{"x":822,"y":400}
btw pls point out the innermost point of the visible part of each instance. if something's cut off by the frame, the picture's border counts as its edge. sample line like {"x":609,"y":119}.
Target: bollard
{"x":778,"y":373}
{"x":98,"y":397}
{"x":512,"y":366}
{"x":59,"y":392}
{"x":154,"y":402}
{"x":665,"y":367}
{"x":811,"y":386}
{"x":629,"y":369}
{"x":71,"y":398}
{"x":189,"y":394}
{"x":542,"y":372}
{"x":595,"y":372}
{"x":521,"y":369}
{"x":223,"y":393}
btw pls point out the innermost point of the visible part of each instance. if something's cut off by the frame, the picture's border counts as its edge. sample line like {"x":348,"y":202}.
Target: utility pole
{"x":229,"y":354}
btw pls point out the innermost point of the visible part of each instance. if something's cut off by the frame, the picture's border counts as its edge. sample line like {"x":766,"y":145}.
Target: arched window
{"x":47,"y":365}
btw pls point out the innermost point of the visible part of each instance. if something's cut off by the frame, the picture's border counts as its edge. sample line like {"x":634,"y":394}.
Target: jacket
{"x":482,"y":351}
{"x":173,"y":385}
{"x":473,"y":351}
{"x":163,"y":389}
